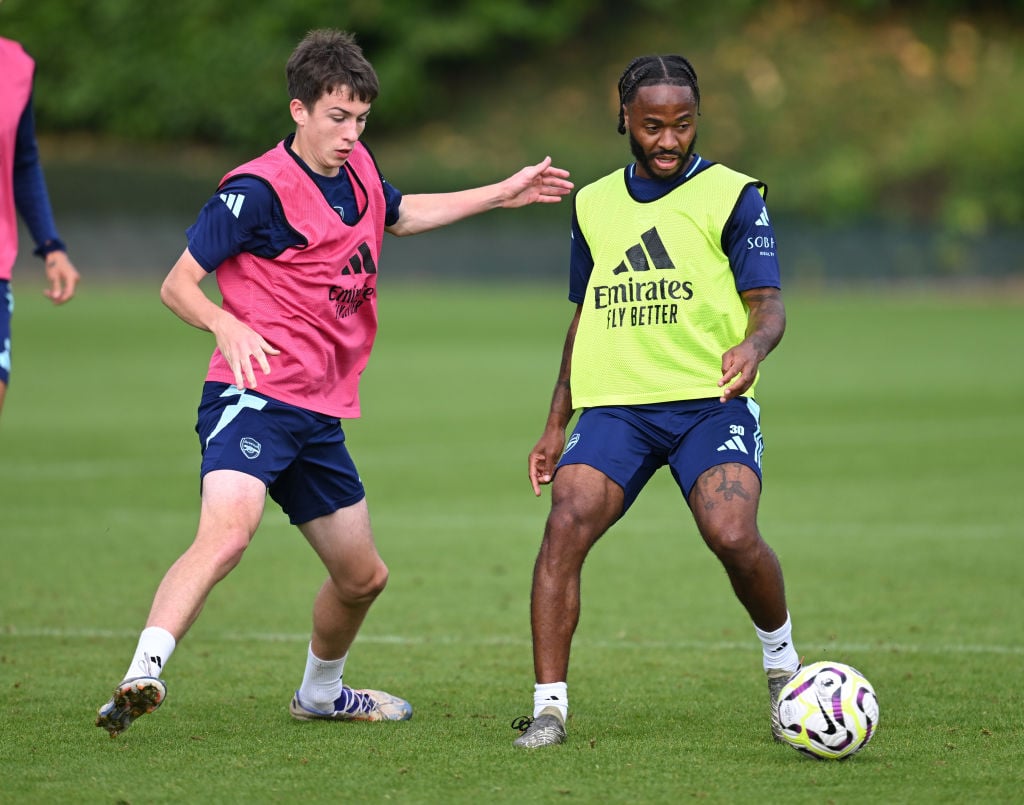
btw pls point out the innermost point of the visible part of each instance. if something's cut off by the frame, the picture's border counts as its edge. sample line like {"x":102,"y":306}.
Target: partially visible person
{"x":677,"y":290}
{"x":23,"y":190}
{"x":294,"y":238}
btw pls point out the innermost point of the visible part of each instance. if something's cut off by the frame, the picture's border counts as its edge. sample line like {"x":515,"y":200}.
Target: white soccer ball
{"x":828,"y":711}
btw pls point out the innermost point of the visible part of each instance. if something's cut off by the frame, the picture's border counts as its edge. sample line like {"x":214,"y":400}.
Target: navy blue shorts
{"x":630,"y":443}
{"x":6,"y":311}
{"x":300,"y":455}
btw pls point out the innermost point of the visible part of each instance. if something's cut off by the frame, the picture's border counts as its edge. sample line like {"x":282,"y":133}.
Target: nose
{"x":351,"y":130}
{"x":667,"y":140}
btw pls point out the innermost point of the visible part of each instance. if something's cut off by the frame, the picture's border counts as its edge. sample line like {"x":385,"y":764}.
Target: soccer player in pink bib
{"x":294,"y":237}
{"x":23,"y":190}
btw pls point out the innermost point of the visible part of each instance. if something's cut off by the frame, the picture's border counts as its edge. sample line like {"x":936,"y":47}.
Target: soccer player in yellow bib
{"x":676,"y":284}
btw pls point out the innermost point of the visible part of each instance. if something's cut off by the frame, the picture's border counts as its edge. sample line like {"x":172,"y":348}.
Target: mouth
{"x":666,"y":160}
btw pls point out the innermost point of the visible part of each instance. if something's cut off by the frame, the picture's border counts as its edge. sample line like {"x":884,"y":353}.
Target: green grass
{"x":893,"y":436}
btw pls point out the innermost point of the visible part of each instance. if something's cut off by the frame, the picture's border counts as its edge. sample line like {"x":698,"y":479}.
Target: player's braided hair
{"x":647,"y":71}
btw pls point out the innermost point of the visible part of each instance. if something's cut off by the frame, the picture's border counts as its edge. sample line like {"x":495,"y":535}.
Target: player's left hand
{"x":62,"y":277}
{"x":766,"y":324}
{"x":739,"y":368}
{"x":541,"y":183}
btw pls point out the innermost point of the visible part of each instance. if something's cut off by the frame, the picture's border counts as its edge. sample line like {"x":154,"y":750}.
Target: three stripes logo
{"x":637,"y":256}
{"x":348,"y":299}
{"x":734,"y":443}
{"x":763,"y":244}
{"x":361,"y":263}
{"x":234,"y":202}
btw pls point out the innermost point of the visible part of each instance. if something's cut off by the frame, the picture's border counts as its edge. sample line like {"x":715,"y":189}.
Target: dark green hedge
{"x":909,"y":109}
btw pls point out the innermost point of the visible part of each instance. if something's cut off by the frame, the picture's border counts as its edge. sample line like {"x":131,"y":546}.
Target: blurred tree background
{"x":909,"y":112}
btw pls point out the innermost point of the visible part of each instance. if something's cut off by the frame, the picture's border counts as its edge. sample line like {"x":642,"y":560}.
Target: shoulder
{"x":247,"y":182}
{"x":248,"y":196}
{"x":13,"y":48}
{"x":739,"y":196}
{"x":728,"y":176}
{"x":267,"y":165}
{"x":616,"y":177}
{"x":14,"y":58}
{"x":600,"y":188}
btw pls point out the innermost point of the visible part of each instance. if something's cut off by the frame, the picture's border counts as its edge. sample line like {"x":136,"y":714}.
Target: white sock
{"x":777,"y":647}
{"x":152,"y":653}
{"x":321,"y":683}
{"x":551,"y":694}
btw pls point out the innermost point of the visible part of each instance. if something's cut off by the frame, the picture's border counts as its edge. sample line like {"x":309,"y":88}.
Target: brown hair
{"x":326,"y":60}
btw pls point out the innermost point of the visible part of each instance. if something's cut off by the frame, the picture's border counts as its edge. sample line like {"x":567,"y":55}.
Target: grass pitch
{"x":893,"y":437}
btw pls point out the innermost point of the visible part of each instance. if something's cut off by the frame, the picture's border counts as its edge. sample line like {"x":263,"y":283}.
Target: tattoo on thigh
{"x":717,"y":481}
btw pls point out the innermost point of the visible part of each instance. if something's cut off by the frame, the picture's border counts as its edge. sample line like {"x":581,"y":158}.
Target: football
{"x":828,"y":711}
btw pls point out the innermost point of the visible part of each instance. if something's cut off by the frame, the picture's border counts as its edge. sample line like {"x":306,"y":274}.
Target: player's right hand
{"x":241,"y":345}
{"x":544,"y":458}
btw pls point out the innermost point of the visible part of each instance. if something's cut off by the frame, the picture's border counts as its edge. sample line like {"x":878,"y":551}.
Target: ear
{"x":298,"y":112}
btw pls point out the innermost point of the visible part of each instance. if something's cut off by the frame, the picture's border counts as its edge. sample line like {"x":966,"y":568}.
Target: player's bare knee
{"x":736,"y":547}
{"x":364,"y":589}
{"x":568,"y":539}
{"x":231,"y":556}
{"x":563,"y":520}
{"x":222,"y":554}
{"x":378,"y":582}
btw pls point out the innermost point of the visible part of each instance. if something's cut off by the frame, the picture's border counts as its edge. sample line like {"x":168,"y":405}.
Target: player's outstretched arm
{"x":542,"y":183}
{"x":239,"y":344}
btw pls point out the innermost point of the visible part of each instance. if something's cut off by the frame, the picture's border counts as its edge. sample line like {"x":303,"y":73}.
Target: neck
{"x":298,"y":148}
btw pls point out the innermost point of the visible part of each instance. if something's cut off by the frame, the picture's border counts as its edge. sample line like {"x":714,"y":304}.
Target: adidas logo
{"x":762,"y":219}
{"x":637,"y":256}
{"x":735,"y":443}
{"x":234,"y":202}
{"x":362,"y":262}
